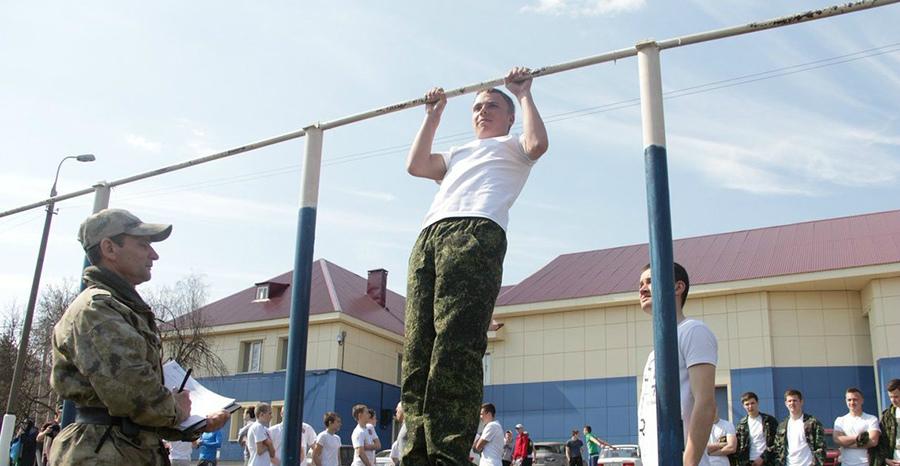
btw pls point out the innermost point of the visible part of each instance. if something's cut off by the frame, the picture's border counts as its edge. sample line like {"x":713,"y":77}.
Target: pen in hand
{"x":187,"y":375}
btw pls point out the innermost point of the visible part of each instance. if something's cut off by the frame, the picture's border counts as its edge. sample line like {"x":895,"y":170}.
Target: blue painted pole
{"x":101,"y":201}
{"x":670,"y":433}
{"x":295,"y":385}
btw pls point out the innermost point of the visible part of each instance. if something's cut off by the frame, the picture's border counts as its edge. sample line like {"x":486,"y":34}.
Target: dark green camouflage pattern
{"x":815,"y":437}
{"x":455,"y":272}
{"x":770,"y":425}
{"x":106,"y":354}
{"x":888,"y":439}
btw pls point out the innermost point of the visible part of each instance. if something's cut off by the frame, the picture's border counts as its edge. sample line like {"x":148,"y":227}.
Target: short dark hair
{"x":95,"y":256}
{"x":371,"y":413}
{"x":251,"y":411}
{"x":855,"y":390}
{"x":793,"y":392}
{"x":330,"y":418}
{"x":508,"y":99}
{"x":681,"y":275}
{"x":358,"y":409}
{"x":749,"y":395}
{"x":490,"y":408}
{"x":574,"y":432}
{"x":894,"y":384}
{"x":263,"y":408}
{"x":588,"y":428}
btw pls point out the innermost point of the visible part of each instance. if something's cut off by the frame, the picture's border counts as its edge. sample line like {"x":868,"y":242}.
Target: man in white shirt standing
{"x":800,"y":438}
{"x":456,"y":265}
{"x":397,"y":446}
{"x":856,"y":431}
{"x":697,"y":358}
{"x":262,"y":451}
{"x":722,"y":442}
{"x":307,"y":438}
{"x":490,"y":443}
{"x":327,"y":447}
{"x":363,"y":444}
{"x":755,"y":434}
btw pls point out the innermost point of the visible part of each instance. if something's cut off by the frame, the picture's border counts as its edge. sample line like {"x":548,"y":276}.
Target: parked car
{"x":549,"y":454}
{"x":384,"y":457}
{"x":832,"y":453}
{"x":621,"y":455}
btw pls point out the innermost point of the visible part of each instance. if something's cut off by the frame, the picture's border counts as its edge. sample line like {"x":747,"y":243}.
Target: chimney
{"x":376,"y":286}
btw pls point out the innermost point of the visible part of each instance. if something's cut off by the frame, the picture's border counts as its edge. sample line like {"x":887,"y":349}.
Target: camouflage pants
{"x":75,"y":445}
{"x":454,"y":277}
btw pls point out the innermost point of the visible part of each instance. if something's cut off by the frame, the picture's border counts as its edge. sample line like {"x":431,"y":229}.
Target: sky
{"x":781,"y":126}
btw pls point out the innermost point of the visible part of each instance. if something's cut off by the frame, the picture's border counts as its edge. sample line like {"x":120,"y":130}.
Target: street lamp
{"x":32,"y":299}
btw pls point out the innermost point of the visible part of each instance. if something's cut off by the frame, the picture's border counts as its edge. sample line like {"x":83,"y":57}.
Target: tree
{"x":184,"y":327}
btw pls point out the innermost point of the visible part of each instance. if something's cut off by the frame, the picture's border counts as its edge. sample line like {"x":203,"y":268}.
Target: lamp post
{"x":32,"y":299}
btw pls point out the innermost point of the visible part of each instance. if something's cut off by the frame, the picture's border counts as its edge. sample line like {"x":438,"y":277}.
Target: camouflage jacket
{"x":106,"y":354}
{"x":815,"y":438}
{"x":888,"y":440}
{"x":770,"y":425}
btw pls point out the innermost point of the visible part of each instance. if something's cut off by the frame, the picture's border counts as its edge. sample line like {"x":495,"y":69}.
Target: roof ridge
{"x":329,"y":285}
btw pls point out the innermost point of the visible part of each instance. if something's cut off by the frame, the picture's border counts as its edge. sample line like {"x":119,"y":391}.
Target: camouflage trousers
{"x":76,"y":445}
{"x":454,"y":277}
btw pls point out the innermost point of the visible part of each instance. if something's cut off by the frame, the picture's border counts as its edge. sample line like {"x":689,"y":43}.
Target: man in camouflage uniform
{"x":456,"y":266}
{"x":814,"y":433}
{"x":745,"y":437}
{"x":887,"y":452}
{"x":107,"y":350}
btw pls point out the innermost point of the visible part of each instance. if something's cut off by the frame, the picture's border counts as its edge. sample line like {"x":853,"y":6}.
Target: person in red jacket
{"x":523,"y":453}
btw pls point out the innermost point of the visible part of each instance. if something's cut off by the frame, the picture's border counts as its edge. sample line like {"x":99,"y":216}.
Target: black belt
{"x":101,"y":416}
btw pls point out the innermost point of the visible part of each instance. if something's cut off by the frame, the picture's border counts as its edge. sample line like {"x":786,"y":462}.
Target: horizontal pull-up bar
{"x":788,"y":20}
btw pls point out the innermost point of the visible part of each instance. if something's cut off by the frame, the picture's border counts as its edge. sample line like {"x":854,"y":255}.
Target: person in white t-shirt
{"x":397,"y":446}
{"x":489,"y":444}
{"x":180,"y":453}
{"x":456,"y":265}
{"x":307,"y":438}
{"x":722,"y":442}
{"x":362,"y":441}
{"x":800,"y":438}
{"x":370,"y":429}
{"x":262,"y":452}
{"x":856,"y":431}
{"x":755,"y":434}
{"x":327,"y":447}
{"x":697,"y":358}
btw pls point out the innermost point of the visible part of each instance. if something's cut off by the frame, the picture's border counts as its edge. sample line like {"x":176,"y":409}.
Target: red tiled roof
{"x":333,"y":288}
{"x":815,"y":246}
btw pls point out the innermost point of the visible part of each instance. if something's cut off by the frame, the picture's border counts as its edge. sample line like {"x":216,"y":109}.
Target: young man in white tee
{"x":800,"y":438}
{"x":755,"y":434}
{"x":722,"y":442}
{"x":262,"y":451}
{"x":398,"y":445}
{"x":307,"y":438}
{"x":327,"y":447}
{"x":490,"y":443}
{"x":361,"y":439}
{"x":697,"y":358}
{"x":456,"y":266}
{"x":856,"y":431}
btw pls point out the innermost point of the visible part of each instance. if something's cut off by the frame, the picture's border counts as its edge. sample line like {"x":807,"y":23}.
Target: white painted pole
{"x":9,"y":423}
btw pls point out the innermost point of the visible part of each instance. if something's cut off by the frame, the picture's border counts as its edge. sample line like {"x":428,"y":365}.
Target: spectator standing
{"x":800,"y":438}
{"x":490,"y":443}
{"x":209,"y":444}
{"x":46,"y":435}
{"x":180,"y":453}
{"x":249,"y":419}
{"x":507,"y":448}
{"x":262,"y":451}
{"x":593,"y":444}
{"x":363,"y":444}
{"x":28,"y":444}
{"x":722,"y":442}
{"x":307,"y":438}
{"x":524,"y":449}
{"x":755,"y":434}
{"x":398,"y":445}
{"x":573,"y":450}
{"x":888,"y":450}
{"x":856,"y":431}
{"x":327,"y":447}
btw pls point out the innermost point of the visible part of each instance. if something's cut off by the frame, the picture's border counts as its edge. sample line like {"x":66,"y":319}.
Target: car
{"x":384,"y":457}
{"x":549,"y":454}
{"x":832,"y":453}
{"x":621,"y":455}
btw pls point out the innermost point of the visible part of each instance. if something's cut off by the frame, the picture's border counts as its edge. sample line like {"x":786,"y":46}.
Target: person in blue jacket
{"x":209,"y":444}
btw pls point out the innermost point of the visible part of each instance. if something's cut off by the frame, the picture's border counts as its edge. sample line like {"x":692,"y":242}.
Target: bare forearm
{"x":698,"y":433}
{"x":533,"y":129}
{"x":418,"y":161}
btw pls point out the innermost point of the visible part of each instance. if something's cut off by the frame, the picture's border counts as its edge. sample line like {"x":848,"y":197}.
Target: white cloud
{"x":583,"y":7}
{"x":142,"y":143}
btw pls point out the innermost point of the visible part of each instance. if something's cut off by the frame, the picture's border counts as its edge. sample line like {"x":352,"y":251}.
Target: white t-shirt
{"x":180,"y":450}
{"x":854,"y":425}
{"x":897,"y":444}
{"x":720,"y":429}
{"x":483,"y":179}
{"x":492,"y":453}
{"x":757,"y":437}
{"x":360,"y":438}
{"x":306,"y":439}
{"x":696,"y":345}
{"x":258,"y":433}
{"x":798,"y":453}
{"x":331,"y":447}
{"x":397,"y":447}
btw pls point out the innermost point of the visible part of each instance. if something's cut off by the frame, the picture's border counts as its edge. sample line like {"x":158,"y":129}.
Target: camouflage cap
{"x":111,"y":222}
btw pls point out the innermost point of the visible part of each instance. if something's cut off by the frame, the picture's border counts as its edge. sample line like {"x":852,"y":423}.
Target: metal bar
{"x":295,"y":379}
{"x":811,"y":15}
{"x":101,"y":201}
{"x":670,"y":435}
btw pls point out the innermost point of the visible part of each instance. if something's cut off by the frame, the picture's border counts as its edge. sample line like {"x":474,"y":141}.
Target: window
{"x":486,"y":367}
{"x":277,"y":412}
{"x":282,"y":353}
{"x":262,"y":292}
{"x":251,"y":354}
